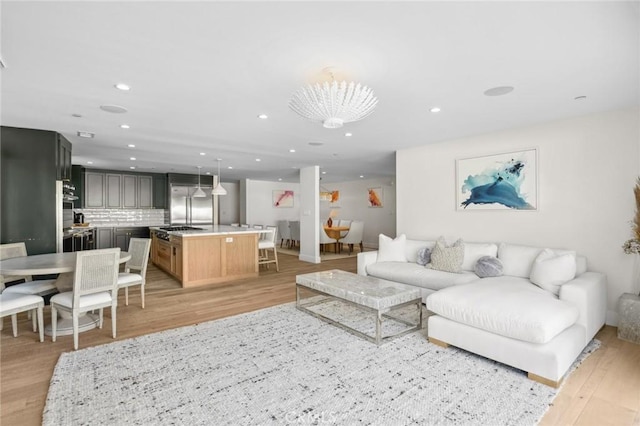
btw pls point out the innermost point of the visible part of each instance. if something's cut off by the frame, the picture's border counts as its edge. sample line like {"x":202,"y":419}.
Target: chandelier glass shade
{"x":333,"y":104}
{"x":218,"y":189}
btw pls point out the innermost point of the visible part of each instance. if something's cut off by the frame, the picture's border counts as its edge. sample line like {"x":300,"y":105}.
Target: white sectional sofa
{"x":507,"y":318}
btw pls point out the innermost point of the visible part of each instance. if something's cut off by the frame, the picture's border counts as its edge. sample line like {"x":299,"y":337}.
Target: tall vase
{"x":330,"y":222}
{"x":629,"y":308}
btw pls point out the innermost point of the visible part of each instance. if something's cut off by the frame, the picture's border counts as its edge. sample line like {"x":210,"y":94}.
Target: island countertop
{"x":208,"y":230}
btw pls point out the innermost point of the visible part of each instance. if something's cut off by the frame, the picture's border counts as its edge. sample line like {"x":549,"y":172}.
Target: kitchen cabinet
{"x":114,"y":191}
{"x":94,"y":184}
{"x":122,"y":236}
{"x":176,"y":257}
{"x":63,"y":158}
{"x":164,"y":254}
{"x":104,"y":238}
{"x":29,"y":168}
{"x":160,"y":189}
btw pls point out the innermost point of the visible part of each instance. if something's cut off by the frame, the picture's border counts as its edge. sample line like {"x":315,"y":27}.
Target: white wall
{"x":587,"y":168}
{"x":229,"y":205}
{"x":353,"y":205}
{"x":259,"y":202}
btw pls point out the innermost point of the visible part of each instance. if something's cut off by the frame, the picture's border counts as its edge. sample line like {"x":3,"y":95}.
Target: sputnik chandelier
{"x":334,"y":103}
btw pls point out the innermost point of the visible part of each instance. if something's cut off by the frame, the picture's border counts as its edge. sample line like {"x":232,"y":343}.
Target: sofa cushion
{"x":391,"y":250}
{"x":414,"y":274}
{"x":447,"y":258}
{"x":517,"y":260}
{"x":552,"y":269}
{"x":488,"y":266}
{"x":474,"y":251}
{"x":508,"y":306}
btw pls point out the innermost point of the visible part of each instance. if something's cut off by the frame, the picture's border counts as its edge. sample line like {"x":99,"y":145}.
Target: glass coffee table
{"x":348,"y":301}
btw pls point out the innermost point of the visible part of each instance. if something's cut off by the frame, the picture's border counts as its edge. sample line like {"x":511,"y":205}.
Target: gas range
{"x":163,"y":233}
{"x":181,"y":228}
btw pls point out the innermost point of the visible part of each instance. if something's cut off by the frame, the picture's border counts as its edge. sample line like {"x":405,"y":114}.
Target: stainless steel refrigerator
{"x":189,"y":210}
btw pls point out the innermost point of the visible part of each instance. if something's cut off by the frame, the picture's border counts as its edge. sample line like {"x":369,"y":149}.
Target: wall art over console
{"x":282,"y":198}
{"x":506,"y":181}
{"x":375,"y":197}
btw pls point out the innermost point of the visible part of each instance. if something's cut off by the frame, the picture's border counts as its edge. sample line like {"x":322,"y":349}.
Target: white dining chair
{"x":12,"y":304}
{"x":139,"y":250}
{"x":236,"y":225}
{"x":269,"y":243}
{"x":95,"y":286}
{"x":294,"y":233}
{"x":283,"y":232}
{"x":354,"y":236}
{"x":324,"y":238}
{"x":30,"y":286}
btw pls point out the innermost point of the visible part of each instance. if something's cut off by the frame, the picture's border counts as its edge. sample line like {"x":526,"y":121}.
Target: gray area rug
{"x":282,"y":366}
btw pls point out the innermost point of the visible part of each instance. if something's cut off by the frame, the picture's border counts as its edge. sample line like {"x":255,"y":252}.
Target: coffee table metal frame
{"x":378,"y":339}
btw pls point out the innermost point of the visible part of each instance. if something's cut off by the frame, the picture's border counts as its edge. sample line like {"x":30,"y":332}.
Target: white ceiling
{"x":201,"y":72}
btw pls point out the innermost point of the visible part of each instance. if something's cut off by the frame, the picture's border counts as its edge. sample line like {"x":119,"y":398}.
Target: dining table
{"x":63,"y":264}
{"x":335,"y":232}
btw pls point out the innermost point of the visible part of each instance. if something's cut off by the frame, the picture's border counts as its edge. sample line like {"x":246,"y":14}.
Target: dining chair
{"x":354,"y":236}
{"x":11,"y":304}
{"x":269,"y":243}
{"x":294,"y":233}
{"x":324,"y":238}
{"x":283,"y":232}
{"x":237,"y":225}
{"x":95,"y":286}
{"x":30,"y":286}
{"x":139,"y":249}
{"x":244,"y":225}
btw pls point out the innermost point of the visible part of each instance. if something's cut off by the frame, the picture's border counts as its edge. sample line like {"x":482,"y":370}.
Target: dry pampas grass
{"x":632,"y":246}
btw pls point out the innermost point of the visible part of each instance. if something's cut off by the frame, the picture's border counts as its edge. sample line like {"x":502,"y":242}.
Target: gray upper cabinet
{"x":129,"y":191}
{"x":113,"y":191}
{"x":145,"y":192}
{"x":94,"y":184}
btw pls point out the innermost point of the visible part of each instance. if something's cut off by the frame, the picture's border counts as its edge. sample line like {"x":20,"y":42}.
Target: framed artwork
{"x":282,"y":198}
{"x":506,"y":181}
{"x":375,"y":197}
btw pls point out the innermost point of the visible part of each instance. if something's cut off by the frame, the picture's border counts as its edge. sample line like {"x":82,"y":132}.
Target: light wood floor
{"x":604,"y":390}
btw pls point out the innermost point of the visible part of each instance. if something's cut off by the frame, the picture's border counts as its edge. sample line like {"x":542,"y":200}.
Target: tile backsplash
{"x":125,"y":217}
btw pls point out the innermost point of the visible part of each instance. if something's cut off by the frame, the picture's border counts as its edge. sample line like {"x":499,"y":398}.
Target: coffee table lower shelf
{"x":379,"y":315}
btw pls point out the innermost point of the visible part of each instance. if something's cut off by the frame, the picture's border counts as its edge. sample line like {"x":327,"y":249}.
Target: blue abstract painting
{"x":503,"y":181}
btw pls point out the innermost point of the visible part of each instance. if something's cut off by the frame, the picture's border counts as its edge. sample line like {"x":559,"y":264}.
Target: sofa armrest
{"x":588,"y":292}
{"x":364,"y":259}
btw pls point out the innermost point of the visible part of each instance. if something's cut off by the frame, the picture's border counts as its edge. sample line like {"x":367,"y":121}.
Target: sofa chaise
{"x":537,"y":315}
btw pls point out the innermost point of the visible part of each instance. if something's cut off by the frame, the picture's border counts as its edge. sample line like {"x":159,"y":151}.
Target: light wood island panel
{"x":196,"y":260}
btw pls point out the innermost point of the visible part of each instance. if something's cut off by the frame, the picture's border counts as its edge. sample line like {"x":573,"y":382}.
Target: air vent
{"x":113,"y":108}
{"x":86,"y":134}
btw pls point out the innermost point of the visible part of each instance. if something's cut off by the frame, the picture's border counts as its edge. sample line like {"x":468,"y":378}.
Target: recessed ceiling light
{"x":348,"y":134}
{"x":125,"y":126}
{"x":324,"y":173}
{"x":279,"y":179}
{"x":263,"y":116}
{"x":89,"y":162}
{"x":292,"y":150}
{"x":76,"y":115}
{"x":257,"y":159}
{"x":208,"y":173}
{"x":435,"y":109}
{"x":132,"y":167}
{"x":86,"y":134}
{"x":131,"y":145}
{"x":230,"y":167}
{"x":116,"y":109}
{"x":361,"y":176}
{"x":122,"y":86}
{"x":203,"y":153}
{"x":498,"y":91}
{"x":132,"y":158}
{"x":580,"y":98}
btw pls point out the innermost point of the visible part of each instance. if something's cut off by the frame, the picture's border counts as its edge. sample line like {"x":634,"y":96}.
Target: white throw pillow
{"x":551,"y":269}
{"x":474,"y":251}
{"x":391,"y":250}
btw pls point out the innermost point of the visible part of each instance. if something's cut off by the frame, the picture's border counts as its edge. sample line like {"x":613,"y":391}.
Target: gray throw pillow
{"x":488,"y":266}
{"x":424,"y":256}
{"x":447,"y":259}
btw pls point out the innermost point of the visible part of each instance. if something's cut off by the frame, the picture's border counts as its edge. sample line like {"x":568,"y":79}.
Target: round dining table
{"x":55,"y":263}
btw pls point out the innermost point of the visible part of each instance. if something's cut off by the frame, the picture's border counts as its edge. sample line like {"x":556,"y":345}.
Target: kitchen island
{"x":209,"y":255}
